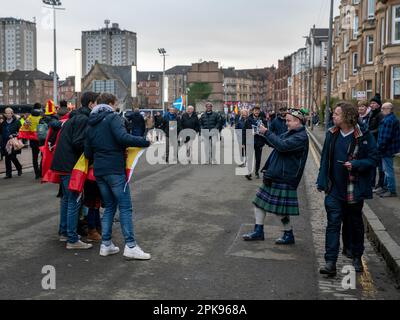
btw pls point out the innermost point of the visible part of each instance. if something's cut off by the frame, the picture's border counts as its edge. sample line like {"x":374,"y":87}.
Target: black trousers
{"x":258,"y":153}
{"x":35,"y":157}
{"x":12,"y":158}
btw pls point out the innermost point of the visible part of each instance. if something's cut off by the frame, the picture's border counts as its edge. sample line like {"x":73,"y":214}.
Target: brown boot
{"x":93,"y":236}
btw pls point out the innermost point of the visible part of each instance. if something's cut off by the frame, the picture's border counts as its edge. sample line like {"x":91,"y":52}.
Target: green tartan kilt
{"x":280,"y":199}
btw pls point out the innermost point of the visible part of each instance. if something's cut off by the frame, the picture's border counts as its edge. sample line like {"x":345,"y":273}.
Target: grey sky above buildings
{"x":239,"y":33}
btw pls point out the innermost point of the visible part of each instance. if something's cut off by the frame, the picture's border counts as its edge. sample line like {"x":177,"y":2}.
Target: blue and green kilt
{"x":280,"y":199}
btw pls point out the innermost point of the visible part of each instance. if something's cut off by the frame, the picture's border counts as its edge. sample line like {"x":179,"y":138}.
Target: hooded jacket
{"x":71,"y":142}
{"x":107,"y":140}
{"x":137,"y":123}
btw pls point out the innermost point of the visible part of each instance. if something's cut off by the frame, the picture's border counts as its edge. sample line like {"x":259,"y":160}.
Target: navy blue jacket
{"x":106,"y":143}
{"x":243,"y":125}
{"x":278,"y":126}
{"x":389,"y":136}
{"x":288,"y":159}
{"x":137,"y":123}
{"x":363,"y":168}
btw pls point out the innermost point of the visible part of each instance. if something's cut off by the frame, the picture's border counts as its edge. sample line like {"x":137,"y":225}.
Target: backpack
{"x":42,"y":130}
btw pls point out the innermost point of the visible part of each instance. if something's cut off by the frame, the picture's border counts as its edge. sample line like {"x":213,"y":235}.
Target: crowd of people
{"x":359,"y":147}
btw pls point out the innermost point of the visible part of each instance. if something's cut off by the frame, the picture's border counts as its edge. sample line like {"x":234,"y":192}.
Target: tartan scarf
{"x":352,"y":155}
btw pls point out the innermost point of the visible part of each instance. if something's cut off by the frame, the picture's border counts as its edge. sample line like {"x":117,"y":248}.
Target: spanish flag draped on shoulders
{"x":28,"y":130}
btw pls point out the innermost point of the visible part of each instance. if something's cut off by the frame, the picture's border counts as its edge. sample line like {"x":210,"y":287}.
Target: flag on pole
{"x":179,"y":103}
{"x":132,"y":159}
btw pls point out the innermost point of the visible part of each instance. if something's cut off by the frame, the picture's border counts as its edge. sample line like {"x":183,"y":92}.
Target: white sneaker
{"x":79,"y":245}
{"x":108,"y":251}
{"x":136,"y":253}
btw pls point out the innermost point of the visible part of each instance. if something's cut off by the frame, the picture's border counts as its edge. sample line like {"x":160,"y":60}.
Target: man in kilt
{"x":285,"y":167}
{"x":348,"y":164}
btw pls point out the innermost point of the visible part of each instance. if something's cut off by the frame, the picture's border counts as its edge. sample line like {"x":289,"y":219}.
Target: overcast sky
{"x":239,"y":33}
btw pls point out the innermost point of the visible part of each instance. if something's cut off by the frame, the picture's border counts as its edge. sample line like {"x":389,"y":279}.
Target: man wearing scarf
{"x":348,"y":163}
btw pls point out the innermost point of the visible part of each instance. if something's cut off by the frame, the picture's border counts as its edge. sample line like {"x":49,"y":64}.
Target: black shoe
{"x":347,"y":253}
{"x":7,"y":177}
{"x":358,"y":265}
{"x":19,"y":173}
{"x":329,"y":269}
{"x":248,"y":177}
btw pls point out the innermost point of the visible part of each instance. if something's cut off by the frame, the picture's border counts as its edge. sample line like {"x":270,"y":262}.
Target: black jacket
{"x":107,"y":141}
{"x":71,"y":142}
{"x":9,"y":129}
{"x":376,"y":119}
{"x":209,"y":121}
{"x":259,"y":141}
{"x":136,"y":123}
{"x":287,"y":162}
{"x":190,"y":122}
{"x":158,"y":122}
{"x":278,"y":126}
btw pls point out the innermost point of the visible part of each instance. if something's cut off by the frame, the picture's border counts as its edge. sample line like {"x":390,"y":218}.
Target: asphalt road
{"x":190,"y":219}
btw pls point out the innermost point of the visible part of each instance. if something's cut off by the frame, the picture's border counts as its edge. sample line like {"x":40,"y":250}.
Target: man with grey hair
{"x":388,"y":147}
{"x":190,"y":121}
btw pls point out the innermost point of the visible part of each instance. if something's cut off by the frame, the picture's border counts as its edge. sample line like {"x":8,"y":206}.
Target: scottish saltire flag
{"x":132,"y":159}
{"x":179,"y":103}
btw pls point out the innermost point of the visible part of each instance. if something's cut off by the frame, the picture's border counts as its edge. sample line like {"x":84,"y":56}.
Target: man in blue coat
{"x":388,"y":147}
{"x":348,"y":163}
{"x":106,"y":143}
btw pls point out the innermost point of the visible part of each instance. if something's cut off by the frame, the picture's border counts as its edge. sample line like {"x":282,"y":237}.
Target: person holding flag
{"x":106,"y":144}
{"x":29,"y":132}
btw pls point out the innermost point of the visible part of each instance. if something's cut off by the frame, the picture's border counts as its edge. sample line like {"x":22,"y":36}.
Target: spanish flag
{"x":28,"y":130}
{"x":236,"y":110}
{"x":50,"y":108}
{"x":79,"y":175}
{"x":133,"y":156}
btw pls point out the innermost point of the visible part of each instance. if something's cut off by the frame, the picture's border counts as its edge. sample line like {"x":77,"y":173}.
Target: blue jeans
{"x":70,"y":207}
{"x":113,"y":195}
{"x":338,"y":210}
{"x":390,"y":178}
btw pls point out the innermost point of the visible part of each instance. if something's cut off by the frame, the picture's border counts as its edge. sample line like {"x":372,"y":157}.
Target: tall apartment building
{"x":366,"y":53}
{"x":17,"y":45}
{"x":109,"y":46}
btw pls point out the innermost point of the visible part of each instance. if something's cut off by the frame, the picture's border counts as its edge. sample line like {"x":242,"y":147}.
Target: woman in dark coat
{"x":10,"y":129}
{"x":285,"y":167}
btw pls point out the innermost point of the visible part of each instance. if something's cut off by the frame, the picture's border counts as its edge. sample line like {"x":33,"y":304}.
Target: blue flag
{"x":178,"y":104}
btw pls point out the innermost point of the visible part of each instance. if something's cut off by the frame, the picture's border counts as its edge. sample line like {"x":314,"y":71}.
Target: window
{"x":396,"y":25}
{"x":355,"y":27}
{"x":345,"y":42}
{"x":355,"y":63}
{"x":109,"y":86}
{"x":371,"y":9}
{"x":395,"y":82}
{"x":382,"y":34}
{"x":368,"y":89}
{"x":369,"y":50}
{"x":337,"y":54}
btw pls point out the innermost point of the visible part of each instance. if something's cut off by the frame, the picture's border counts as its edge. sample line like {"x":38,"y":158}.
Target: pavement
{"x":382,"y":216}
{"x":190,"y":218}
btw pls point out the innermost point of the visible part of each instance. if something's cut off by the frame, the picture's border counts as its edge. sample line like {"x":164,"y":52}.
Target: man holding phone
{"x":348,"y":163}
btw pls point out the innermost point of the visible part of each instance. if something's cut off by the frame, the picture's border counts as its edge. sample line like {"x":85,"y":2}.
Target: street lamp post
{"x":54,"y":4}
{"x":329,"y":70}
{"x":163,"y":52}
